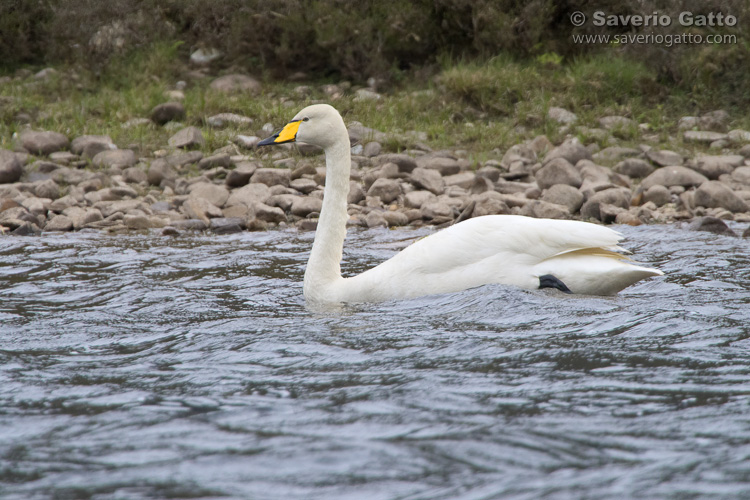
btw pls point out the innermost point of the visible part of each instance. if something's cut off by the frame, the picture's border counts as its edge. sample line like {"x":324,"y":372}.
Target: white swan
{"x":530,"y":253}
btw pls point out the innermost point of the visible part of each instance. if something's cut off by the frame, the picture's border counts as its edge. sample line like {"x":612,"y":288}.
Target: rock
{"x":715,"y":166}
{"x":160,"y":170}
{"x":356,"y":193}
{"x":43,"y":143}
{"x":304,"y":185}
{"x":615,"y":153}
{"x":241,"y":174}
{"x":658,"y":195}
{"x":688,"y":122}
{"x":187,"y":137}
{"x":616,"y":196}
{"x":711,"y":225}
{"x":436,"y":209}
{"x":616,"y":122}
{"x":88,"y":146}
{"x":714,"y":194}
{"x":394,"y":218}
{"x":59,"y":223}
{"x":359,"y":133}
{"x":634,"y":168}
{"x":201,"y":209}
{"x":10,"y":168}
{"x":558,"y":171}
{"x":461,"y":179}
{"x":545,"y":210}
{"x":745,"y":151}
{"x":366,"y":95}
{"x":446,"y":166}
{"x":738,"y":136}
{"x":703,"y":136}
{"x":140,"y":222}
{"x":225,"y":119}
{"x":428,"y":179}
{"x":249,"y":195}
{"x":571,"y":150}
{"x":134,"y":175}
{"x":565,"y":195}
{"x":269,"y":214}
{"x":371,"y":149}
{"x":215,"y":194}
{"x":386,"y":189}
{"x":190,"y":225}
{"x":217,"y":160}
{"x":741,"y":175}
{"x":415,"y":199}
{"x":271,"y":176}
{"x":306,"y":149}
{"x":82,"y":216}
{"x":168,"y":112}
{"x":665,"y":158}
{"x":227,"y":225}
{"x":715,"y":120}
{"x":63,"y":157}
{"x":489,"y":203}
{"x":114,"y":158}
{"x":236,"y":83}
{"x":561,"y":115}
{"x":375,"y":219}
{"x":405,"y":162}
{"x":674,"y":176}
{"x":47,"y":189}
{"x":247,"y":141}
{"x":204,"y":57}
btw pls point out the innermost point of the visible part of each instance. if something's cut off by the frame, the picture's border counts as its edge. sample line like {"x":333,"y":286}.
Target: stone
{"x":703,"y":136}
{"x":269,"y":214}
{"x":140,"y":222}
{"x":462,"y":179}
{"x":615,"y":153}
{"x":304,"y":185}
{"x":436,"y":209}
{"x":634,"y":168}
{"x":572,"y":150}
{"x":356,"y":193}
{"x":366,"y":95}
{"x":88,"y":146}
{"x":247,"y":141}
{"x":375,"y":218}
{"x":226,"y":119}
{"x":738,"y":136}
{"x":43,"y":143}
{"x":190,"y":225}
{"x":415,"y":199}
{"x":395,"y":218}
{"x":249,"y":195}
{"x":386,"y":189}
{"x":545,"y":210}
{"x":160,"y":170}
{"x":227,"y":226}
{"x":10,"y":168}
{"x":616,"y":122}
{"x":615,"y":196}
{"x":714,"y":194}
{"x":359,"y":133}
{"x":217,"y":160}
{"x":665,"y":158}
{"x":445,"y":166}
{"x":714,"y":120}
{"x":405,"y":162}
{"x":658,"y":195}
{"x":271,"y":176}
{"x":201,"y":209}
{"x":428,"y":179}
{"x":715,"y":166}
{"x":186,"y":138}
{"x":167,"y":112}
{"x":241,"y":175}
{"x":204,"y":57}
{"x":59,"y":223}
{"x":47,"y":189}
{"x":741,"y":175}
{"x":674,"y":176}
{"x":114,"y":158}
{"x":371,"y":149}
{"x":215,"y":194}
{"x":711,"y":225}
{"x":558,"y":171}
{"x":236,"y":83}
{"x":489,"y":203}
{"x":134,"y":175}
{"x":561,"y":115}
{"x":565,"y":195}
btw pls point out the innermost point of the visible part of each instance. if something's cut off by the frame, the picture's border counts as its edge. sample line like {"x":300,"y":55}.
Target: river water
{"x":143,"y":367}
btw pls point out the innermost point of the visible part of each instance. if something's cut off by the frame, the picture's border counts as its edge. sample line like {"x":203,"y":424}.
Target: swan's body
{"x":508,"y":249}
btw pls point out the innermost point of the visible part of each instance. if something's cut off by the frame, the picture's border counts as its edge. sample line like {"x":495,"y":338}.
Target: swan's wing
{"x":489,"y":249}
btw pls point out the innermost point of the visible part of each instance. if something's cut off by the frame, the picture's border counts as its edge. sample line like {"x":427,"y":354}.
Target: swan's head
{"x":319,"y":124}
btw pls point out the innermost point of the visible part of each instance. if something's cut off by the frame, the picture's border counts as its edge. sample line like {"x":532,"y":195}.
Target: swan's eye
{"x":306,"y":119}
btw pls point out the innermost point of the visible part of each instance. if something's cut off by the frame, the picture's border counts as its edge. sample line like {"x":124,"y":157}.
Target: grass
{"x":482,"y":107}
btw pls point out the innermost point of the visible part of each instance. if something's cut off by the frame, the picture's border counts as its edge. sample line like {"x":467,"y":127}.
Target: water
{"x":141,"y":367}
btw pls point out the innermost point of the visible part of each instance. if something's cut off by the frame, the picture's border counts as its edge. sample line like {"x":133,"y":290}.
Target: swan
{"x":571,"y":256}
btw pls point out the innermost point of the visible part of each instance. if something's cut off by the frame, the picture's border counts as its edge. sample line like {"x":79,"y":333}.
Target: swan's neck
{"x":324,"y":265}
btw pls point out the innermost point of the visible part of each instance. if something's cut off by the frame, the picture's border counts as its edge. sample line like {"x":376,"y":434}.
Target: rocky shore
{"x":52,"y":183}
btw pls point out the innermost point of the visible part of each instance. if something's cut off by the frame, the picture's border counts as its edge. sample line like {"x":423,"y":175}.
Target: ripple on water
{"x":146,"y":367}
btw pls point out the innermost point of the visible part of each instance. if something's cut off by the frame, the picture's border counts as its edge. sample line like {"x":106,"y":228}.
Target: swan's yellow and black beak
{"x":287,"y":134}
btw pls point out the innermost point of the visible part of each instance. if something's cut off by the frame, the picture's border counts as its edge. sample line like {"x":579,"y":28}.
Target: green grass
{"x":476,"y":106}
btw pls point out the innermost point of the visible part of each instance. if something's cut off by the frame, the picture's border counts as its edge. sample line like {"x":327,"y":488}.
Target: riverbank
{"x":181,"y":155}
